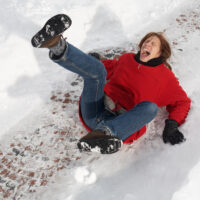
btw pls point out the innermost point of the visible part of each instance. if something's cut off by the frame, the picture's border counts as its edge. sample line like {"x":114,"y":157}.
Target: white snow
{"x":83,"y":175}
{"x":147,"y":169}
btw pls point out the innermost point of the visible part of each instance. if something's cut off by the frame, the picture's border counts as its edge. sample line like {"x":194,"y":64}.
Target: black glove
{"x":171,"y":133}
{"x":96,"y":55}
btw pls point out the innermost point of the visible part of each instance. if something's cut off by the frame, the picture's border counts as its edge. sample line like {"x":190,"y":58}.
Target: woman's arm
{"x":178,"y":108}
{"x":179,"y":102}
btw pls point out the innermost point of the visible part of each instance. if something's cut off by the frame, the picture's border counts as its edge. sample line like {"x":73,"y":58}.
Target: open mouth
{"x":145,"y":53}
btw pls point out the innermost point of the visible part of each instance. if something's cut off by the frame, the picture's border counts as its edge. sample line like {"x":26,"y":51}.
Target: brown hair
{"x":164,"y":48}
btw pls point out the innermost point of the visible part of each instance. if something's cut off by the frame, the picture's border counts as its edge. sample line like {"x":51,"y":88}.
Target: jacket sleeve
{"x":179,"y":103}
{"x":110,"y":66}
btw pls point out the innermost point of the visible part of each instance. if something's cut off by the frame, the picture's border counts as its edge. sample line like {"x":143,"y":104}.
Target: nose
{"x":149,"y":43}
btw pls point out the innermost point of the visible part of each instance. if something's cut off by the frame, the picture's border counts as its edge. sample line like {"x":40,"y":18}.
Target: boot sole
{"x":54,"y":26}
{"x":102,"y":145}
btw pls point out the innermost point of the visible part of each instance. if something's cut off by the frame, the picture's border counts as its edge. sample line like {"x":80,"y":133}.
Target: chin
{"x":144,"y":60}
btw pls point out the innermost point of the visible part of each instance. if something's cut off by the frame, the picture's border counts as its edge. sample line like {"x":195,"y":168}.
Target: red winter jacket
{"x":130,"y":83}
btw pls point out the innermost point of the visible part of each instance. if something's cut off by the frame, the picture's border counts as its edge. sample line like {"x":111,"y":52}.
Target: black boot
{"x":54,"y":26}
{"x":98,"y":141}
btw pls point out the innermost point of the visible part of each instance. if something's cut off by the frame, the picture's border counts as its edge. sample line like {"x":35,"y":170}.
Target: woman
{"x":120,"y":96}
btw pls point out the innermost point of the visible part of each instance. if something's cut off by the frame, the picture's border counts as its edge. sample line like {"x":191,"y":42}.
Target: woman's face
{"x":150,"y":49}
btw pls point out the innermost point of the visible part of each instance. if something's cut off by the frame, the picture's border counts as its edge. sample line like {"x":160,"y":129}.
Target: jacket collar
{"x":151,"y":63}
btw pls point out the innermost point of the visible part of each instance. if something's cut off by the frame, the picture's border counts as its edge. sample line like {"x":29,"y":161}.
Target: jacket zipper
{"x":139,"y":66}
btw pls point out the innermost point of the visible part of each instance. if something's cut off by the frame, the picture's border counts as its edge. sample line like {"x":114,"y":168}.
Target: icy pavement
{"x":32,"y":158}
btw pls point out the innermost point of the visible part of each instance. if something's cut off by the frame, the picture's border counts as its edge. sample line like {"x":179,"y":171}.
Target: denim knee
{"x":151,"y":108}
{"x":101,"y":72}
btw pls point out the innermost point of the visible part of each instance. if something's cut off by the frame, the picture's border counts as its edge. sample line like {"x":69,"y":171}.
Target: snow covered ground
{"x":38,"y":105}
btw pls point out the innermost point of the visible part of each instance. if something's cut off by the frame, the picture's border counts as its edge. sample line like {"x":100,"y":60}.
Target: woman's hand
{"x":171,"y":133}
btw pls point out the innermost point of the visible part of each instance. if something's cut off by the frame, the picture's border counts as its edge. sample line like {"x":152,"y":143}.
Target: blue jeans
{"x":93,"y":110}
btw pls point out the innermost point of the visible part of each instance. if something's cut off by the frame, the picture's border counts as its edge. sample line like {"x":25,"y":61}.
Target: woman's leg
{"x":129,"y":122}
{"x":92,"y":71}
{"x":94,"y":75}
